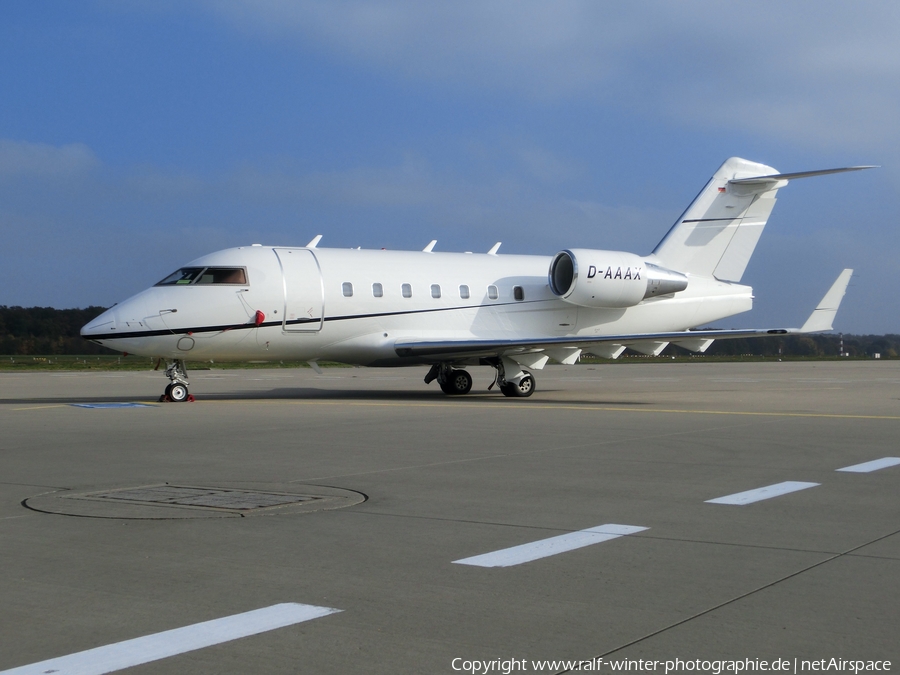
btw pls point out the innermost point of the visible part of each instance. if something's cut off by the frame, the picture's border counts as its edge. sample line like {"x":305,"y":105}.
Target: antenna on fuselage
{"x":495,"y":248}
{"x":430,"y":247}
{"x":315,"y":241}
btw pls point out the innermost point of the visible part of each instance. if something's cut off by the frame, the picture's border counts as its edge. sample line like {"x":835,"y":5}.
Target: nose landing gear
{"x":177,"y":391}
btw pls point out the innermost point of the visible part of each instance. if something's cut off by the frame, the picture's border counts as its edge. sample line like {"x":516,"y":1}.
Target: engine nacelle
{"x":590,"y":278}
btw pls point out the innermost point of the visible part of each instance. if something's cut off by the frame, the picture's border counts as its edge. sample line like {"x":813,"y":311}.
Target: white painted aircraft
{"x":449,"y":310}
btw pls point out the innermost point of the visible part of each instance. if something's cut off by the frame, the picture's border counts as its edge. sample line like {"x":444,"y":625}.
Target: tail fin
{"x":718,"y":232}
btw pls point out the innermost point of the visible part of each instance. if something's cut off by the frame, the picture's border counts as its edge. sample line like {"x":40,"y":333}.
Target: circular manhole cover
{"x":169,"y":501}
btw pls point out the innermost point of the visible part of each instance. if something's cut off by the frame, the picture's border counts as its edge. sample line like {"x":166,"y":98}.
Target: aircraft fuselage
{"x":352,"y":306}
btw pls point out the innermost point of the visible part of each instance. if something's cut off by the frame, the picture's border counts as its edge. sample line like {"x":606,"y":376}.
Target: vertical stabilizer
{"x":718,"y":232}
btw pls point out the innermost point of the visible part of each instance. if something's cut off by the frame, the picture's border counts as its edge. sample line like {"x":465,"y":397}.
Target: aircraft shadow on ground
{"x":312,"y":394}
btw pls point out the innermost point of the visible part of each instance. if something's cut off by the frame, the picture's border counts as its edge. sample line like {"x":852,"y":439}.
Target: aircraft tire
{"x":461,"y":382}
{"x":177,"y":393}
{"x":523,"y":389}
{"x":458,"y":384}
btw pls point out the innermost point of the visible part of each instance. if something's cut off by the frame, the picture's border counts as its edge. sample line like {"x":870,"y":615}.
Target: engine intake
{"x":590,"y":278}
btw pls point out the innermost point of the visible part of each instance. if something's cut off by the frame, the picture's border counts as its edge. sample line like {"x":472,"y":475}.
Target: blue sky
{"x":137,"y":136}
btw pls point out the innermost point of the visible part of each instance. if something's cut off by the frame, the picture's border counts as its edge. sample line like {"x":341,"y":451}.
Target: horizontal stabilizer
{"x":759,"y":184}
{"x":774,"y":178}
{"x":823,"y":315}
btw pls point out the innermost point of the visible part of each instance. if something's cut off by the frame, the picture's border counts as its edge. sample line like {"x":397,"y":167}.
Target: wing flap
{"x":486,"y":347}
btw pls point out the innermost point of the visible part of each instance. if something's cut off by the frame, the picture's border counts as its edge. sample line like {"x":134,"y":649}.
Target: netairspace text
{"x":712,"y":667}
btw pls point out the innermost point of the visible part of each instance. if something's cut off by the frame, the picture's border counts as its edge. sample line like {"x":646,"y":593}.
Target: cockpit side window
{"x":223,"y":275}
{"x":182,"y":277}
{"x":206,"y":275}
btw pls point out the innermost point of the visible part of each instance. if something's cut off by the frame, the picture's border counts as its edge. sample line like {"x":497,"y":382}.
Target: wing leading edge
{"x":612,"y":345}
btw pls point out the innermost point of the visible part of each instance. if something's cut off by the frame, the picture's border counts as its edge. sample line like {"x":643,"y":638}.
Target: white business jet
{"x":450,"y":310}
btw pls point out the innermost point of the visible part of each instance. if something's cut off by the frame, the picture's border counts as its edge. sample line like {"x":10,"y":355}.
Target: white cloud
{"x":21,"y":158}
{"x":795,"y":71}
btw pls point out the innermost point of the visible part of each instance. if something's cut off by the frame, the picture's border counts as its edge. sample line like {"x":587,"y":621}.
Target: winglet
{"x":315,"y":241}
{"x":430,"y":247}
{"x":494,"y":248}
{"x":823,"y":315}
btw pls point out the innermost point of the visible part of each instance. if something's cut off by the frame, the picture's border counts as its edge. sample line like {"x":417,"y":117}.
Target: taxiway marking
{"x":544,"y":548}
{"x":874,"y":465}
{"x":759,"y":494}
{"x":177,"y":641}
{"x":459,"y":405}
{"x":112,"y":405}
{"x":44,"y":407}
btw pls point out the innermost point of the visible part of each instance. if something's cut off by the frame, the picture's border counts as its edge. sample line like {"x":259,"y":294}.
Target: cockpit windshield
{"x":206,"y":275}
{"x":182,"y":277}
{"x":223,"y":275}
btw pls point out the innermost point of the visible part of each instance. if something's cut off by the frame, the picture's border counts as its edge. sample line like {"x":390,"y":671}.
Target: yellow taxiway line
{"x":522,"y":406}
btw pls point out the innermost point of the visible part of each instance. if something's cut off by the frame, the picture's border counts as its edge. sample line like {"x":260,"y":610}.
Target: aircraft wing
{"x":463,"y":348}
{"x":567,"y":349}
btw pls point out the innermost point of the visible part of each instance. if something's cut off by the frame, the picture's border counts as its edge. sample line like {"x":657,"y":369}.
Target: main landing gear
{"x":524,"y":387}
{"x":456,"y":382}
{"x":177,"y":391}
{"x":512,"y":379}
{"x":453,"y":382}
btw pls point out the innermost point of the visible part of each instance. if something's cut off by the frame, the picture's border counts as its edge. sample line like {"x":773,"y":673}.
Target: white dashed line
{"x":172,"y":642}
{"x":874,"y":465}
{"x":759,"y":494}
{"x":546,"y":547}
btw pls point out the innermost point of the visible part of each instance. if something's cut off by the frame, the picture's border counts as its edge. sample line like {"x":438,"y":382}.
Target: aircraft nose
{"x":102,"y":326}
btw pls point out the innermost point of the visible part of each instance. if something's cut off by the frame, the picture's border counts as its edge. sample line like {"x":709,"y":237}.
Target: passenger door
{"x":304,"y":292}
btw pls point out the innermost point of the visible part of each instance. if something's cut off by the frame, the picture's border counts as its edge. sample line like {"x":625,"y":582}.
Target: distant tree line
{"x":860,"y":346}
{"x":45,"y":331}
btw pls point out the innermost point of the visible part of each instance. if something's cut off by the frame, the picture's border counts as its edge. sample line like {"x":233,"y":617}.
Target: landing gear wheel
{"x":523,"y":389}
{"x":177,"y":393}
{"x":459,"y":383}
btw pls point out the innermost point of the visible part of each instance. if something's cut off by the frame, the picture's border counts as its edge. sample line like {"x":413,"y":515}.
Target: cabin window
{"x":347,"y":289}
{"x":435,"y":290}
{"x":464,"y":292}
{"x":377,"y":290}
{"x":206,"y":275}
{"x":518,"y":293}
{"x":493,"y":294}
{"x":406,"y":291}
